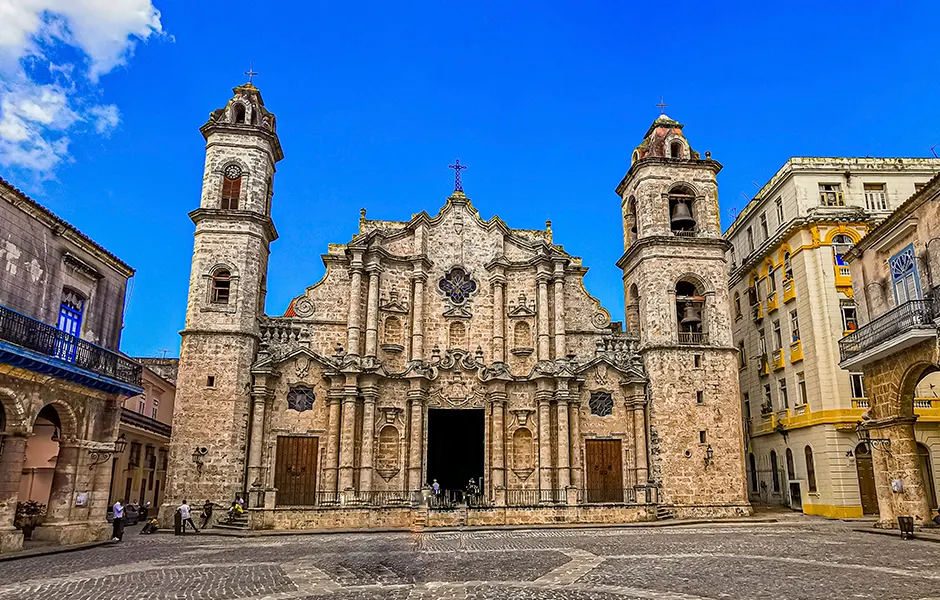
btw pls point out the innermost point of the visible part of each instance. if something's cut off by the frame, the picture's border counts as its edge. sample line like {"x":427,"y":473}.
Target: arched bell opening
{"x":630,"y":224}
{"x":682,"y":220}
{"x":690,"y":311}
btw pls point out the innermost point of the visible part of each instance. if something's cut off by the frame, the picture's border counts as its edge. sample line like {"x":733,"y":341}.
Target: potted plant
{"x":28,"y":515}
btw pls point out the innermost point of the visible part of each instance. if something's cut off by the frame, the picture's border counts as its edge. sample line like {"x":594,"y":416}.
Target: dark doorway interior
{"x":456,"y":442}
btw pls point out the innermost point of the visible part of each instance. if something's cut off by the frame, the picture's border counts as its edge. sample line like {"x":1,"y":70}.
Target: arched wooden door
{"x":866,"y":479}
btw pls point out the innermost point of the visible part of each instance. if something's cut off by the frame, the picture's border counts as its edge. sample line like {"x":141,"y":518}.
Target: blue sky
{"x":543,"y":101}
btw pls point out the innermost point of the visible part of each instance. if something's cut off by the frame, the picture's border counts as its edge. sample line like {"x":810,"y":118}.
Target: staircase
{"x":238,"y":523}
{"x":665,"y":512}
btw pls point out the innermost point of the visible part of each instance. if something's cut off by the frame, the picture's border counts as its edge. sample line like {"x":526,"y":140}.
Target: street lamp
{"x":100,"y":456}
{"x":864,"y":436}
{"x":709,"y":453}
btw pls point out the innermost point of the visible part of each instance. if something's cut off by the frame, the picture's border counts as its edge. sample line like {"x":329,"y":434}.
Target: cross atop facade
{"x":662,"y":106}
{"x":457,"y":167}
{"x":250,"y":72}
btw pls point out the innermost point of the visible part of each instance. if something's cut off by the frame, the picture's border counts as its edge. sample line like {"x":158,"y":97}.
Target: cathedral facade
{"x":449,"y":369}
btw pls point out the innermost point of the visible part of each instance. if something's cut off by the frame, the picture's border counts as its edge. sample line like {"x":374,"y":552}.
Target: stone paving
{"x":809,"y":559}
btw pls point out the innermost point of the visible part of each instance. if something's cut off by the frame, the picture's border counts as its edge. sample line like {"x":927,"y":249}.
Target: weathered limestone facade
{"x":330,"y":415}
{"x":895,"y":277}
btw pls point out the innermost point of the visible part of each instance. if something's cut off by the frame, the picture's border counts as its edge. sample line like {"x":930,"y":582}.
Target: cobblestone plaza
{"x":795,"y":560}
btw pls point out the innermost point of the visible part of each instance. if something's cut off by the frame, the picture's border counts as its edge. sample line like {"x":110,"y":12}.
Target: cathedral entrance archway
{"x":456,"y":447}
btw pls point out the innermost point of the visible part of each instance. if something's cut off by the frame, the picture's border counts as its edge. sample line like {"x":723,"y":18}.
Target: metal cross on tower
{"x":662,"y":106}
{"x":457,"y":167}
{"x":250,"y":72}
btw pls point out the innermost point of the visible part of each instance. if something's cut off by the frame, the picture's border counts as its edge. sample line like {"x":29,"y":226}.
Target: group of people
{"x":469,"y":494}
{"x":184,"y":514}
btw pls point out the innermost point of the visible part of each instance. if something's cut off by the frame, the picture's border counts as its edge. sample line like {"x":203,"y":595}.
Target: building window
{"x":700,"y":397}
{"x":133,"y":460}
{"x":787,"y":266}
{"x":810,"y":469}
{"x":702,"y":439}
{"x":210,"y":381}
{"x":737,"y":305}
{"x":70,"y":312}
{"x":750,"y":240}
{"x":778,"y":337}
{"x":830,"y":194}
{"x":221,"y":287}
{"x":774,"y":475}
{"x":142,"y":405}
{"x":790,"y":469}
{"x":904,"y":277}
{"x":300,"y":398}
{"x":801,"y":384}
{"x":875,"y":196}
{"x":231,"y":186}
{"x":747,"y":406}
{"x":690,"y":304}
{"x":761,"y":343}
{"x":784,"y":397}
{"x":764,"y":233}
{"x":794,"y":327}
{"x":457,"y":286}
{"x":675,"y":150}
{"x":768,"y":399}
{"x":742,"y":355}
{"x":849,"y":322}
{"x":238,"y":112}
{"x":601,"y":403}
{"x":858,"y":385}
{"x":841,"y":244}
{"x":779,"y":203}
{"x":154,"y":409}
{"x":734,"y":258}
{"x":753,"y":465}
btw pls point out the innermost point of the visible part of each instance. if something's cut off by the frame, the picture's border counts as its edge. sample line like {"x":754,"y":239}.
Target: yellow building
{"x":792,"y":301}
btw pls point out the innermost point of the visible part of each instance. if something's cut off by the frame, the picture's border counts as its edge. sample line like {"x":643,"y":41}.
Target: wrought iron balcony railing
{"x":37,"y":336}
{"x":693,"y":337}
{"x":914,"y":314}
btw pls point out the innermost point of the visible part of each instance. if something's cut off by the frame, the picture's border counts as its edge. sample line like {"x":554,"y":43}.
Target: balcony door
{"x":69,"y":323}
{"x":904,"y":277}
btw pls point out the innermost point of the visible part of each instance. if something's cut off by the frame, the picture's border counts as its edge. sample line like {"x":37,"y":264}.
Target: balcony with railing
{"x":693,"y":338}
{"x":772,"y":303}
{"x":789,"y":290}
{"x":902,"y":327}
{"x":36,"y":346}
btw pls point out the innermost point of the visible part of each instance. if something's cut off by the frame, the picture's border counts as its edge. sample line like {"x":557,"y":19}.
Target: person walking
{"x":186,"y":517}
{"x":117,"y":529}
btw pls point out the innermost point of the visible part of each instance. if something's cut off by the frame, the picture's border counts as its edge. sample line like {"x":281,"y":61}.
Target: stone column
{"x":499,"y":318}
{"x":543,"y":397}
{"x":369,"y":394}
{"x":417,"y":315}
{"x":330,"y":471}
{"x":544,"y":345}
{"x":574,"y":436}
{"x":416,"y":453}
{"x":11,"y":471}
{"x":372,"y":311}
{"x":63,"y":481}
{"x":639,"y":438}
{"x":498,"y":445}
{"x":256,"y":444}
{"x":354,"y":326}
{"x":559,"y":283}
{"x":901,"y":462}
{"x":347,"y":439}
{"x":562,"y":444}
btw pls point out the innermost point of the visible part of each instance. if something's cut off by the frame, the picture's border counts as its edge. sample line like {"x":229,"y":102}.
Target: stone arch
{"x":696,"y":280}
{"x":632,"y":226}
{"x":387,"y":451}
{"x":687,"y":187}
{"x":676,"y":149}
{"x":68,"y":420}
{"x":239,"y":112}
{"x":522,"y":335}
{"x":393,"y":330}
{"x":13,"y":414}
{"x":908,"y":383}
{"x":850,"y":233}
{"x":927,"y":474}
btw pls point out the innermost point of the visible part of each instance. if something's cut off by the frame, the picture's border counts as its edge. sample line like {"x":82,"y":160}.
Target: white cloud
{"x":42,"y":100}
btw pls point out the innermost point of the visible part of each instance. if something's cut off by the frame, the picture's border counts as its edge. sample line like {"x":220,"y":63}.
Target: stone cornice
{"x":236,"y":215}
{"x":671,"y":242}
{"x":712,"y":165}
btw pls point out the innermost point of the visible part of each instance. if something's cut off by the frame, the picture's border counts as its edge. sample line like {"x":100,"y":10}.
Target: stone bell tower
{"x":226,"y":296}
{"x":676,"y":286}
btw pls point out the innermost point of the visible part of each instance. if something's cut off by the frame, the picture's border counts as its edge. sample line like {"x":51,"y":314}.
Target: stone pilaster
{"x":417,"y":312}
{"x":11,"y":472}
{"x":417,"y":397}
{"x":639,"y":439}
{"x":372,"y":311}
{"x":499,"y":318}
{"x":354,"y":326}
{"x":543,"y":397}
{"x":370,"y":393}
{"x":574,"y":427}
{"x":544,"y":341}
{"x":559,"y":289}
{"x":498,"y":442}
{"x":331,"y":469}
{"x":563,"y":443}
{"x":347,"y":439}
{"x":259,"y":399}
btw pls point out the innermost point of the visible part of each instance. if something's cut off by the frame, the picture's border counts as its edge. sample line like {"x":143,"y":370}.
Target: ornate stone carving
{"x":393,"y":303}
{"x":522,"y":309}
{"x":458,"y":287}
{"x":303,"y":307}
{"x":601,"y":319}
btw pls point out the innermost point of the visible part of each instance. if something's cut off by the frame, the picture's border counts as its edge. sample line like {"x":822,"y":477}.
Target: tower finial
{"x":457,"y":167}
{"x":250,"y":72}
{"x":662,"y":106}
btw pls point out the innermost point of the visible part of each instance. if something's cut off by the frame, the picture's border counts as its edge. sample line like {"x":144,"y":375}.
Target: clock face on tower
{"x":232,"y":172}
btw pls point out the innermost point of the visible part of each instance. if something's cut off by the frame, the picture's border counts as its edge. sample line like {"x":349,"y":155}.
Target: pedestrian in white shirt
{"x":117,"y":533}
{"x":186,"y":516}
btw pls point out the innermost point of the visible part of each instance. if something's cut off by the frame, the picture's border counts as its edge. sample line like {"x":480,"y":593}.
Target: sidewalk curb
{"x":53,"y":550}
{"x":482,"y":528}
{"x":896,"y":534}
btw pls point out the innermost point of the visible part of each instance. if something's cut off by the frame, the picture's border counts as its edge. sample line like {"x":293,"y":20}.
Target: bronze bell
{"x":682,"y":216}
{"x":691,"y":315}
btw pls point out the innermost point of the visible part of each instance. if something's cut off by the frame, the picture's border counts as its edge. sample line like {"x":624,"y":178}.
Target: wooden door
{"x":866,"y":479}
{"x":295,"y":470}
{"x":604,"y":470}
